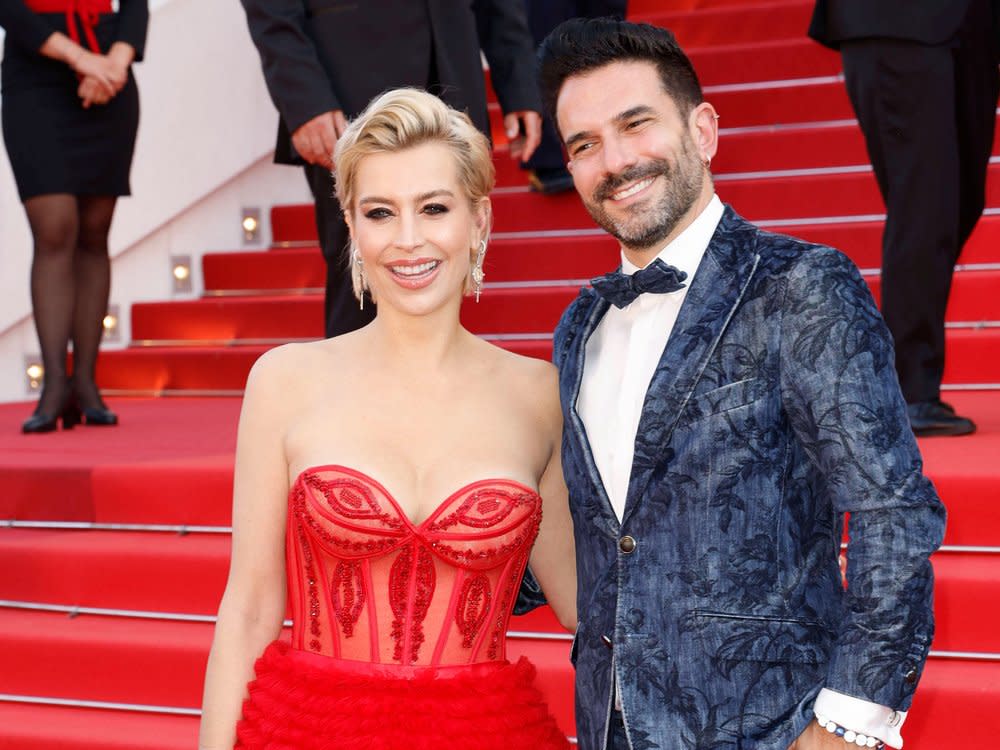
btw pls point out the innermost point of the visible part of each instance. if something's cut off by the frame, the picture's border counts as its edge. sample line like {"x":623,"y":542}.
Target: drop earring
{"x":477,"y":270}
{"x":360,"y":266}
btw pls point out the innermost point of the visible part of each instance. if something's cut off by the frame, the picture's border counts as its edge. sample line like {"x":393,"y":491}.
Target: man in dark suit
{"x":324,"y":60}
{"x":922,"y":77}
{"x":728,"y":396}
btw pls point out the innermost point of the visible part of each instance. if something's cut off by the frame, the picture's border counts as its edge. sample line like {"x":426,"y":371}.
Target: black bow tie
{"x":620,"y":289}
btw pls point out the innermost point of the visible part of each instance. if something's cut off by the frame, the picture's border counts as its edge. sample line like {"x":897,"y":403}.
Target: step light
{"x":250,"y":222}
{"x":180,"y":268}
{"x":111,"y":330}
{"x":34,"y":372}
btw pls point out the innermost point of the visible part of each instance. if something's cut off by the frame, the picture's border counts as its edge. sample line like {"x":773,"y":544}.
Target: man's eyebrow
{"x":628,"y":114}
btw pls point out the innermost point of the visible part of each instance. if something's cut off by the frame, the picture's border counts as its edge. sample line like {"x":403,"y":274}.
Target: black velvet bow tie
{"x":620,"y":289}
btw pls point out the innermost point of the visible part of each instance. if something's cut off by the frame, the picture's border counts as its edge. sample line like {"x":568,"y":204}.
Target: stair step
{"x":183,"y":476}
{"x":527,"y":259}
{"x":42,"y":727}
{"x":707,"y":27}
{"x":111,"y":659}
{"x":551,"y":257}
{"x":222,"y":370}
{"x":508,"y":310}
{"x":145,"y":571}
{"x":773,"y":199}
{"x":763,"y":60}
{"x":157,"y":572}
{"x":92,"y":658}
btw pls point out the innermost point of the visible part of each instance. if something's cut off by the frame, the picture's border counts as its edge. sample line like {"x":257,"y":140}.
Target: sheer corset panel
{"x":367,"y":584}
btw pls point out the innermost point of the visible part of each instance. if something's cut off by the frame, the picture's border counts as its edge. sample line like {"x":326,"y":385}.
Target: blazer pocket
{"x":724,"y":398}
{"x":777,"y":640}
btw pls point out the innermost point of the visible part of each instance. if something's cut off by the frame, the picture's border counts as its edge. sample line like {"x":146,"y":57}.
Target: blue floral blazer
{"x":773,"y":413}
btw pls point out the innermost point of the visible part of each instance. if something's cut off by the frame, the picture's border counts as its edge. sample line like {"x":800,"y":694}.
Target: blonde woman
{"x":394,"y":482}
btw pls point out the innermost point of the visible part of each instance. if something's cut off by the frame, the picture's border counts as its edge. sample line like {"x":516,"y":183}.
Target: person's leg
{"x":93,"y":285}
{"x":977,"y":84}
{"x":904,"y":96}
{"x":54,"y":227}
{"x":342,"y":312}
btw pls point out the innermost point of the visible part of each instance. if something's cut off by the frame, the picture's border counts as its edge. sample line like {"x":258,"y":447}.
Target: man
{"x":324,"y":60}
{"x":723,"y":413}
{"x":922,"y":77}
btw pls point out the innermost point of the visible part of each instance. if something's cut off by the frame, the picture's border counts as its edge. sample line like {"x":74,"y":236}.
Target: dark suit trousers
{"x":341,"y":313}
{"x":543,"y":16}
{"x":928,"y":114}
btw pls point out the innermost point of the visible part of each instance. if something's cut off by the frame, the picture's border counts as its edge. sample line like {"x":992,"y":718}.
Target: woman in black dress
{"x":70,"y":114}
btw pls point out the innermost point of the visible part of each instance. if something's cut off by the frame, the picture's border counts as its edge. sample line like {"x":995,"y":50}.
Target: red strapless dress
{"x":399,"y":629}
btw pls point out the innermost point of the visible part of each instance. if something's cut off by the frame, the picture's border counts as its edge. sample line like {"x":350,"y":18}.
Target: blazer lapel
{"x":718,"y":286}
{"x":595,"y":498}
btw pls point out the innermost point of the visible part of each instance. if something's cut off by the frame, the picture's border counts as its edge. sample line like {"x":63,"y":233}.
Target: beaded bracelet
{"x":849,"y":735}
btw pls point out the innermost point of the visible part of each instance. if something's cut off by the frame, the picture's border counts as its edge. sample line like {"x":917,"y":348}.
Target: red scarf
{"x":88,"y":11}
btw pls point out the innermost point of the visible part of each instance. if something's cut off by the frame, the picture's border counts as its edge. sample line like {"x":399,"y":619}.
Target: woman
{"x":395,"y":469}
{"x":70,"y":114}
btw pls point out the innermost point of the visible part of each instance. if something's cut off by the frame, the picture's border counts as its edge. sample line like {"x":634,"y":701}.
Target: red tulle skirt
{"x":303,"y":701}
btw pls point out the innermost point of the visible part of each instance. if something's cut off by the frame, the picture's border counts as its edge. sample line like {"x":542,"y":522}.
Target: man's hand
{"x":816,"y":738}
{"x":523,"y":146}
{"x":91,"y":92}
{"x":316,"y":139}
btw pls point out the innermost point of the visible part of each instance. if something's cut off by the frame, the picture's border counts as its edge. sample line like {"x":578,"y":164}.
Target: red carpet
{"x":129,"y":588}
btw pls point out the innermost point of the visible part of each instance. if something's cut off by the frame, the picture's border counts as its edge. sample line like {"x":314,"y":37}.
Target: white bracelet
{"x":849,"y":735}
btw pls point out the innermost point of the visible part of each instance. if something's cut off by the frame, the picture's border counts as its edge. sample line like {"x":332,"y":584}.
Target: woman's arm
{"x":253,"y":606}
{"x":553,"y":559}
{"x":133,"y":21}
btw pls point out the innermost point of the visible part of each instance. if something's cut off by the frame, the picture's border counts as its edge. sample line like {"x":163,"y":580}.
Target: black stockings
{"x":70,"y":283}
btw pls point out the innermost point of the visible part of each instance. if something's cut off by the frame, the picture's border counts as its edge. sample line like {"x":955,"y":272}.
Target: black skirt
{"x":54,"y":144}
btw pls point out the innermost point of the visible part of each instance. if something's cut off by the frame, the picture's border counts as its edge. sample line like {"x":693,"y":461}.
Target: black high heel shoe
{"x":40,"y":422}
{"x":95,"y":416}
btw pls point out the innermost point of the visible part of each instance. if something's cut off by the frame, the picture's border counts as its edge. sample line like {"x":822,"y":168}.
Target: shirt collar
{"x":687,"y":248}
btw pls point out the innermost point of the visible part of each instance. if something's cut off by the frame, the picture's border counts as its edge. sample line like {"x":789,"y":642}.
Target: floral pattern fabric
{"x":774,"y":413}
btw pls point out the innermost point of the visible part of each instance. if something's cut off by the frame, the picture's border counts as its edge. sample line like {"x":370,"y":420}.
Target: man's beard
{"x":645,"y":226}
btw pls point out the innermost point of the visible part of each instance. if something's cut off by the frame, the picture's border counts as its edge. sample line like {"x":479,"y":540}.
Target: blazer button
{"x":606,"y":641}
{"x":626,"y":544}
{"x":910,"y":676}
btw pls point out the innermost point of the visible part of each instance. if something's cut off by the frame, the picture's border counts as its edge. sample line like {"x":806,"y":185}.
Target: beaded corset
{"x":367,"y":584}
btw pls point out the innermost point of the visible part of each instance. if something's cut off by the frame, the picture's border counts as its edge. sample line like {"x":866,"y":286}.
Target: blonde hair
{"x":403,"y":118}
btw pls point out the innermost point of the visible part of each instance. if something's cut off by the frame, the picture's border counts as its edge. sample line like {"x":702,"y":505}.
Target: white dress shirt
{"x":621,"y":356}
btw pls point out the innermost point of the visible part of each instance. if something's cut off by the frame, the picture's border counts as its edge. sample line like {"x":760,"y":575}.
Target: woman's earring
{"x":360,"y":264}
{"x":477,"y":270}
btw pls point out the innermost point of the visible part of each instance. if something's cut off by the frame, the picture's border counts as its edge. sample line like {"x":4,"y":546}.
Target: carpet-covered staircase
{"x":114,"y":542}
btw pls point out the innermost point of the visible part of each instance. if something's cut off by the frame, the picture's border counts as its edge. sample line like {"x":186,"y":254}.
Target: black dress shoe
{"x":550,"y":180}
{"x":39,"y":422}
{"x":931,"y":418}
{"x":100,"y":416}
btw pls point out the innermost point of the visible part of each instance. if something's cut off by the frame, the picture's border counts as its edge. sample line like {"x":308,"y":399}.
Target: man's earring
{"x":477,"y":270}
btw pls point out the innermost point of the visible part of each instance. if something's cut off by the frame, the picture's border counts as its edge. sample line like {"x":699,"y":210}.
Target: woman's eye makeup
{"x":435,"y":208}
{"x":377,"y":213}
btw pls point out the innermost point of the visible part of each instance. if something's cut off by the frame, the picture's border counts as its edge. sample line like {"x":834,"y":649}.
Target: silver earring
{"x":477,"y":270}
{"x":361,"y":272}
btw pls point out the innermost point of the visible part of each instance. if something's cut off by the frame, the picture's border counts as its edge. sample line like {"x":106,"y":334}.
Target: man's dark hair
{"x":584,"y":44}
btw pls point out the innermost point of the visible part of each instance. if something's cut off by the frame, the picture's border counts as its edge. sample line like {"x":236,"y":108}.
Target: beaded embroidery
{"x":355,"y":553}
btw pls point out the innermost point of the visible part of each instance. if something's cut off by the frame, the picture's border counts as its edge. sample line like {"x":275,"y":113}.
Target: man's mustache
{"x":613,"y":183}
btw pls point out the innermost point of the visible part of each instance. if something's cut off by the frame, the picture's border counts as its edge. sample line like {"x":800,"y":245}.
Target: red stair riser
{"x":111,"y":659}
{"x":752,"y":23}
{"x":169,"y":573}
{"x":797,"y":197}
{"x":153,"y":572}
{"x":41,"y":727}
